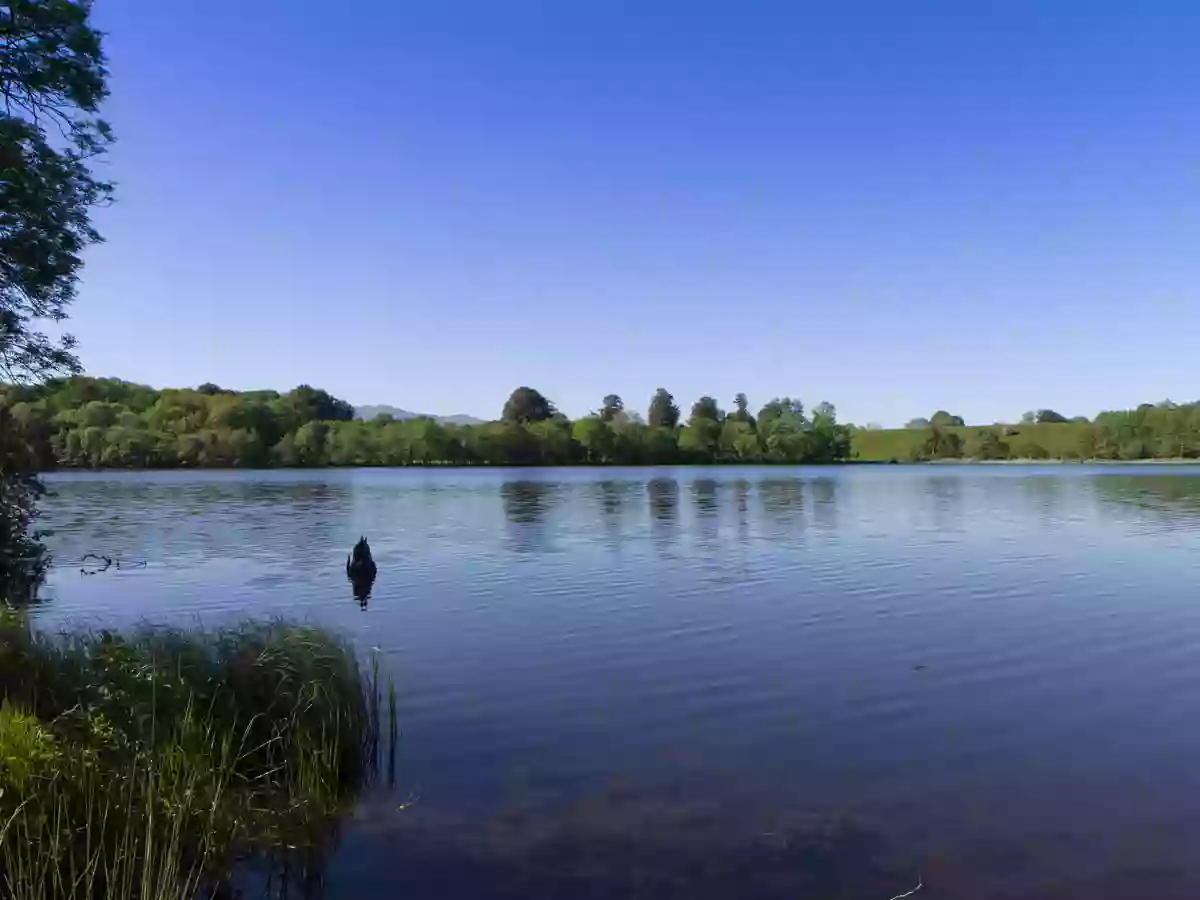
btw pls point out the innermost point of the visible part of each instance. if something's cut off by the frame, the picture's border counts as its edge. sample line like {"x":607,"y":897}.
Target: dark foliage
{"x":613,"y":407}
{"x":527,"y":405}
{"x":52,"y":79}
{"x":663,"y":413}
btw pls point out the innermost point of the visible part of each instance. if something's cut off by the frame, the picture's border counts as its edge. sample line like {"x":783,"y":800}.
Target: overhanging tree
{"x":52,"y":82}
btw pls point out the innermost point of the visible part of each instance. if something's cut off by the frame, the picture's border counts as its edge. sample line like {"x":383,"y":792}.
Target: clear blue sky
{"x":895,"y":206}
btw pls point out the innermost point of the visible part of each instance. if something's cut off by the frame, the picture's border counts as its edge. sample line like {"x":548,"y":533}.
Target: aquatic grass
{"x":152,"y":830}
{"x":152,"y":763}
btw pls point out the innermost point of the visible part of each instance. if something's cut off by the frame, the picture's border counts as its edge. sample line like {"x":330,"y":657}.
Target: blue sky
{"x":896,"y":206}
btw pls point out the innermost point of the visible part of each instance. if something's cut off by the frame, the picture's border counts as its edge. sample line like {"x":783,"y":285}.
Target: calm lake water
{"x":721,"y":682}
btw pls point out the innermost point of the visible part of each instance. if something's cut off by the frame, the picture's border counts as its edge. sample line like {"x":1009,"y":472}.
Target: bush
{"x":23,"y":559}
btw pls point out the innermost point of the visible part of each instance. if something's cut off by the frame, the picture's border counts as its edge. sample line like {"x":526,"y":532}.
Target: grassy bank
{"x":152,"y":764}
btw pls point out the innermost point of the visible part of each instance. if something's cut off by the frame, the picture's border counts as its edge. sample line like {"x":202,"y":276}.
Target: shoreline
{"x":1174,"y":461}
{"x":847,"y":463}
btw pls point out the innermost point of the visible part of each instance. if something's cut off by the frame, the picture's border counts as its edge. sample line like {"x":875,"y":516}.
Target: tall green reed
{"x":152,"y":764}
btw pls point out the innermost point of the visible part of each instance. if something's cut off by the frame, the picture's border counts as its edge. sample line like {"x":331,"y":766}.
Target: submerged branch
{"x":105,"y":562}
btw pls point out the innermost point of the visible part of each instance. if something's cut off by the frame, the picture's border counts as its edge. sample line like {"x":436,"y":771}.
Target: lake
{"x":761,"y":682}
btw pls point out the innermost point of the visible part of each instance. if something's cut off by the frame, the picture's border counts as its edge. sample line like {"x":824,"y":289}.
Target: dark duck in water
{"x":359,"y":564}
{"x":360,"y":569}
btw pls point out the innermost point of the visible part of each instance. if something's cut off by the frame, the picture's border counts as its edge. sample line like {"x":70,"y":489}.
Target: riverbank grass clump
{"x":151,"y":764}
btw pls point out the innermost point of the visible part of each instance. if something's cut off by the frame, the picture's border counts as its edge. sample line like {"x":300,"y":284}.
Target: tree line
{"x":943,"y":419}
{"x":95,"y":423}
{"x":1151,"y":431}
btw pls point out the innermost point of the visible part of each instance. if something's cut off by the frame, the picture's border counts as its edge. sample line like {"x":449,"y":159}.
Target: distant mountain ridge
{"x":370,"y":412}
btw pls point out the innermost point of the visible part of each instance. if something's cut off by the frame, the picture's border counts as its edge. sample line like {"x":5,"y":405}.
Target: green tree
{"x":741,"y":409}
{"x":510,"y":444}
{"x":939,"y":444}
{"x":700,"y":439}
{"x":1049,"y":416}
{"x":1091,"y":440}
{"x":309,"y":444}
{"x":943,"y":419}
{"x":739,"y":441}
{"x":659,"y":446}
{"x":781,"y":406}
{"x":920,"y":423}
{"x":353,"y":444}
{"x":527,"y":405}
{"x":705,"y":408}
{"x":827,"y":440}
{"x":429,"y":441}
{"x":985,"y":444}
{"x":305,"y":404}
{"x":555,"y":445}
{"x":596,"y":437}
{"x":23,"y":559}
{"x":784,"y":438}
{"x":630,"y":441}
{"x":663,"y":411}
{"x":612,"y":408}
{"x":52,"y":77}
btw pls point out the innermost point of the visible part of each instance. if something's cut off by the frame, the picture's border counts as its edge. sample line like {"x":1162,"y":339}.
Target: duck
{"x":359,"y":564}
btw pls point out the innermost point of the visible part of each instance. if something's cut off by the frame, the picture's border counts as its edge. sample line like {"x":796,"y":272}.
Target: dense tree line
{"x":93,"y":423}
{"x":1152,"y":431}
{"x":83,"y":422}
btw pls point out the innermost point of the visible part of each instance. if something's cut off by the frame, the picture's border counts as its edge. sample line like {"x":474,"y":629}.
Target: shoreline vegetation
{"x":104,"y":423}
{"x":170,"y":764}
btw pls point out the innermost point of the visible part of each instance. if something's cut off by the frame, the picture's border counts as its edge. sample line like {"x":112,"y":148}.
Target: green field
{"x":1058,"y":440}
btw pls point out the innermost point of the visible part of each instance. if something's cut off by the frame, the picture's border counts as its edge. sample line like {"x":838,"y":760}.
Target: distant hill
{"x":370,"y":412}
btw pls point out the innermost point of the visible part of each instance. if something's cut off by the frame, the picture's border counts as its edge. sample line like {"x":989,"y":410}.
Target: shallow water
{"x":678,"y":682}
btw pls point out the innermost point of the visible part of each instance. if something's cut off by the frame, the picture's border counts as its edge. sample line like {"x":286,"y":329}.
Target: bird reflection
{"x":361,"y":588}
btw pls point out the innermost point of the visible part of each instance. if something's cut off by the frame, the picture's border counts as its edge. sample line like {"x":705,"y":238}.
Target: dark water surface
{"x":721,"y":682}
